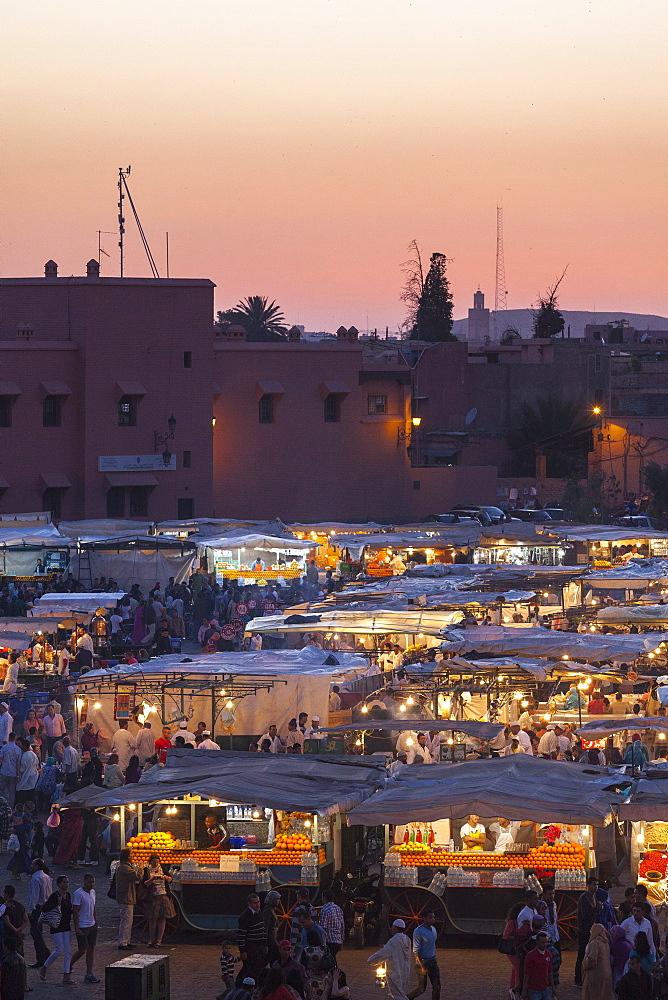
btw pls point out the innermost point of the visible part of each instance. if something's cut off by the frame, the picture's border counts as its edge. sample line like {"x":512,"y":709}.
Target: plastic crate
{"x":138,"y":977}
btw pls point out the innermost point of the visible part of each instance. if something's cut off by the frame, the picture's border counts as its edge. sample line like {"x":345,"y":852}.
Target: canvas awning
{"x":518,"y":787}
{"x":640,"y":614}
{"x":336,"y":388}
{"x":607,"y":725}
{"x":529,"y":641}
{"x":317,"y":784}
{"x":56,"y":388}
{"x":270,"y":387}
{"x":9,"y":388}
{"x":55,"y":480}
{"x":480,"y":730}
{"x":648,"y":801}
{"x":358,"y":622}
{"x":129,"y":388}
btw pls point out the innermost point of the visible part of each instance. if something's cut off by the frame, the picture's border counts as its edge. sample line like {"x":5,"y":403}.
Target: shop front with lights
{"x":254,"y":558}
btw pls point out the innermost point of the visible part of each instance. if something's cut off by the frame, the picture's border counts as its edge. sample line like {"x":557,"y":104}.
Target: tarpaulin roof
{"x":265,"y":543}
{"x":362,"y":622}
{"x":310,"y":660}
{"x":648,"y":800}
{"x":520,"y":641}
{"x":28,"y":626}
{"x":313,"y":783}
{"x":537,"y":668}
{"x":481,"y":730}
{"x":646,"y":613}
{"x":103,"y":528}
{"x":603,"y":533}
{"x":518,"y":787}
{"x":609,"y":724}
{"x":457,"y":535}
{"x":74,"y":600}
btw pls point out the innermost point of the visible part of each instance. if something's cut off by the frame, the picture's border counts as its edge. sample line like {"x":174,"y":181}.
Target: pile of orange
{"x":259,"y":857}
{"x":293,"y":842}
{"x":559,"y":856}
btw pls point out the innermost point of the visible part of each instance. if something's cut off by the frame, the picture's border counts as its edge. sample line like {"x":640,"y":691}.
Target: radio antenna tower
{"x":500,"y":293}
{"x":123,"y":192}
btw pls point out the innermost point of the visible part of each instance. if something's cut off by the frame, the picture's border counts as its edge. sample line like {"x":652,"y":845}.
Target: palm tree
{"x":560,"y":427}
{"x":262,"y":319}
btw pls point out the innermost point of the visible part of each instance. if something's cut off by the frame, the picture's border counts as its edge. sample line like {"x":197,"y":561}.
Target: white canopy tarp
{"x":129,"y":564}
{"x":359,"y":622}
{"x":645,"y":614}
{"x":253,"y":541}
{"x":518,"y":787}
{"x":528,"y":641}
{"x":648,"y":801}
{"x":80,"y":600}
{"x":265,"y":687}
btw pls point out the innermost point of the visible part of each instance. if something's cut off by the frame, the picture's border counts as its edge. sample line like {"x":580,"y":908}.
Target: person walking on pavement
{"x":126,"y":897}
{"x":596,"y":968}
{"x":537,"y":980}
{"x":397,"y":954}
{"x":60,"y":934}
{"x":85,"y":926}
{"x":331,"y":919}
{"x":40,"y":888}
{"x":424,"y":950}
{"x":588,"y":910}
{"x":10,"y":756}
{"x":123,"y":745}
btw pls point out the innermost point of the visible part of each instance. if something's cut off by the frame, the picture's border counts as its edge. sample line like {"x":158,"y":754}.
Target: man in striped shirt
{"x":252,"y":940}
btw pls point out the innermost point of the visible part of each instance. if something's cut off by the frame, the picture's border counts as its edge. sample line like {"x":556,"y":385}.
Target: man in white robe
{"x":397,"y":954}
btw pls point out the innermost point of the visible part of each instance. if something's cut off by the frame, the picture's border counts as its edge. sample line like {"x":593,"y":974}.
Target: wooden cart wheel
{"x":285,"y":909}
{"x":140,"y":924}
{"x":409,"y":905}
{"x":567,"y":914}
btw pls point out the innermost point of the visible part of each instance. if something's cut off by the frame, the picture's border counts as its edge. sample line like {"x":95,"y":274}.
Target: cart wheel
{"x":284,"y":910}
{"x":409,"y":905}
{"x":140,"y":925}
{"x":567,"y":914}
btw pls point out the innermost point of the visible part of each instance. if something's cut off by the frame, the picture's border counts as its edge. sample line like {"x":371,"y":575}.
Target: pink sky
{"x":293,"y":148}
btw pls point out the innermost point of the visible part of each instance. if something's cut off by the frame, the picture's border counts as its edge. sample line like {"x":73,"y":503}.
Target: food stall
{"x":252,"y":557}
{"x":472,"y":890}
{"x":391,"y":553}
{"x":646,"y":808}
{"x":203,"y":827}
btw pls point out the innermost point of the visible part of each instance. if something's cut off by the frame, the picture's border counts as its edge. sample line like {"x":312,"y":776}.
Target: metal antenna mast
{"x":500,"y":293}
{"x":123,"y":191}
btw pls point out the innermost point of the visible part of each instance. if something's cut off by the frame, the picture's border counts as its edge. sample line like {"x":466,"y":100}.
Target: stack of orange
{"x":275,"y":857}
{"x":559,"y":856}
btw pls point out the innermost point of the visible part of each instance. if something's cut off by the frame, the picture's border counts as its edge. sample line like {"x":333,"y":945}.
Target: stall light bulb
{"x":213,"y":803}
{"x":402,"y":707}
{"x":131,"y":805}
{"x":222,"y":692}
{"x":518,"y":695}
{"x":117,"y":816}
{"x":524,"y":704}
{"x":420,"y":635}
{"x":593,"y":628}
{"x":501,"y":678}
{"x":153,"y":709}
{"x":565,"y":656}
{"x":410,"y":700}
{"x":229,"y":704}
{"x":307,"y":823}
{"x":650,"y":656}
{"x":545,"y":593}
{"x":546,"y":717}
{"x":410,"y":742}
{"x":640,"y":839}
{"x":506,"y":619}
{"x":364,"y":708}
{"x":256,"y":813}
{"x":450,"y":741}
{"x":97,"y":705}
{"x":141,"y":718}
{"x":447,"y":704}
{"x":658,"y":649}
{"x":336,"y":636}
{"x":80,"y":701}
{"x":358,"y":743}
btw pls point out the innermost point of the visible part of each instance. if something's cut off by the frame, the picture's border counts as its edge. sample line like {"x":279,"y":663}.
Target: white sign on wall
{"x":135,"y":463}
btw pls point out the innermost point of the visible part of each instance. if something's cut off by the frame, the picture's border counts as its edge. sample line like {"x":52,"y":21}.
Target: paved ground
{"x":477,"y":972}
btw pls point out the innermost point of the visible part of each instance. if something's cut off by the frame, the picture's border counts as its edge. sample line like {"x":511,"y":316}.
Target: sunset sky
{"x":293,"y":148}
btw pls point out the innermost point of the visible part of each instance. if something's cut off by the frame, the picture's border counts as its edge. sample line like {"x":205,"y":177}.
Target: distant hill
{"x":522,"y":320}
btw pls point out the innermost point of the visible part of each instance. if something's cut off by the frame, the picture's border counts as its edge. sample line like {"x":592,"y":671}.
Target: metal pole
{"x":122,"y":814}
{"x":121,"y":220}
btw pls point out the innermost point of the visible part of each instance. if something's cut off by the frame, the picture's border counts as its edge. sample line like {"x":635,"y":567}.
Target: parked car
{"x":556,"y":513}
{"x":453,"y":518}
{"x":634,"y":521}
{"x":497,"y":515}
{"x":532,"y":515}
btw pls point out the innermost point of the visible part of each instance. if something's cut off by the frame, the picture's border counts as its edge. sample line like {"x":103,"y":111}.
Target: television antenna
{"x":124,"y":192}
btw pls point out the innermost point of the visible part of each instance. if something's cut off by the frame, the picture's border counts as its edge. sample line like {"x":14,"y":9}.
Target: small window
{"x":139,"y":501}
{"x":185,"y":508}
{"x":416,"y":484}
{"x":598,"y":363}
{"x":127,"y":411}
{"x":376,"y":405}
{"x":333,"y":408}
{"x":186,"y":459}
{"x":187,"y":359}
{"x":266,"y":409}
{"x":116,"y":501}
{"x":51,"y":411}
{"x":52,"y":499}
{"x":6,"y":411}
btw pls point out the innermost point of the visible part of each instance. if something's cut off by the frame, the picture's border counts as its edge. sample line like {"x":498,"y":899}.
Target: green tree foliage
{"x":263,"y":320}
{"x":656,"y":481}
{"x":428,"y":297}
{"x":561,"y":428}
{"x":548,"y":321}
{"x":509,"y":336}
{"x":593,"y":500}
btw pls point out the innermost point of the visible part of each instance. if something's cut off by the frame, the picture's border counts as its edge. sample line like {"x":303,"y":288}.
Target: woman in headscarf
{"x":620,"y":949}
{"x":596,"y":970}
